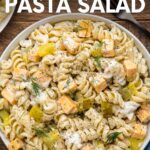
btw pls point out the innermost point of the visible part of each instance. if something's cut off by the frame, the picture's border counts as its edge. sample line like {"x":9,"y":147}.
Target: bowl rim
{"x":66,"y":17}
{"x":6,"y":20}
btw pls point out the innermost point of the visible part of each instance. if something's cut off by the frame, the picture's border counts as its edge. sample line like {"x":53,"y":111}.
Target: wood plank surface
{"x":23,"y":20}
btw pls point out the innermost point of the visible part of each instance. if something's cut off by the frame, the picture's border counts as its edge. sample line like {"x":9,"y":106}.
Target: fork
{"x":126,"y":16}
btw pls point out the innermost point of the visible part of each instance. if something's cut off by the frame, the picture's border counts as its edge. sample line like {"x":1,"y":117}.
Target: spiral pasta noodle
{"x":99,"y":123}
{"x":136,"y":56}
{"x":33,"y":68}
{"x":85,"y":88}
{"x":17,"y":59}
{"x":72,"y":123}
{"x":85,"y":134}
{"x":120,"y":145}
{"x":141,"y":96}
{"x":14,"y":130}
{"x":35,"y":143}
{"x":110,"y":96}
{"x":116,"y":122}
{"x":5,"y":72}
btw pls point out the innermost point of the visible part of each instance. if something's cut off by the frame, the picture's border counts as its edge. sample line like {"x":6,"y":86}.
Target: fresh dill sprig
{"x":97,"y":60}
{"x":67,"y":83}
{"x":35,"y":86}
{"x":112,"y":137}
{"x":77,"y":28}
{"x":40,"y":132}
{"x":72,"y":95}
{"x":101,"y":43}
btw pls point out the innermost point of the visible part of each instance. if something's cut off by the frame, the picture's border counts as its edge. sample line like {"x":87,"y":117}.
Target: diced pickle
{"x":46,"y":49}
{"x":97,"y":50}
{"x":138,"y":83}
{"x":25,"y":57}
{"x":97,"y":62}
{"x":36,"y":113}
{"x":51,"y":138}
{"x":132,"y":88}
{"x":100,"y":145}
{"x":84,"y":104}
{"x":106,"y":108}
{"x":135,"y":143}
{"x":4,"y":115}
{"x":126,"y":93}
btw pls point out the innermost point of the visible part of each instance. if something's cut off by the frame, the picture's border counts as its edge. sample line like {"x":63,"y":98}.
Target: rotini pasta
{"x":72,"y":123}
{"x":111,"y":97}
{"x":99,"y":123}
{"x":75,"y":85}
{"x":35,"y":143}
{"x":5,"y":72}
{"x":17,"y":59}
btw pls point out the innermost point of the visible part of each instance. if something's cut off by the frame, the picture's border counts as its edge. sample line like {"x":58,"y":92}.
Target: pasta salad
{"x":75,"y":85}
{"x":3,"y":14}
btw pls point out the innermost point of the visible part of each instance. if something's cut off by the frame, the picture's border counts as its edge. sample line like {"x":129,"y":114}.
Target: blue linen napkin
{"x":148,"y":147}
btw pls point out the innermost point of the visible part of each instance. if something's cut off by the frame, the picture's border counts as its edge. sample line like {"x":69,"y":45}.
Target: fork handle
{"x":141,"y":27}
{"x":134,"y":21}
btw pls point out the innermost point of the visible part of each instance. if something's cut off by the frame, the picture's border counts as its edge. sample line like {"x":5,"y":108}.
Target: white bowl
{"x":74,"y":16}
{"x":6,"y":20}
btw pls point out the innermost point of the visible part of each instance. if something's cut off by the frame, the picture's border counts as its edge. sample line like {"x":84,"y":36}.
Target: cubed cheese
{"x":16,"y":144}
{"x":99,"y":84}
{"x":60,"y":45}
{"x":67,"y":104}
{"x":67,"y":86}
{"x":108,"y":48}
{"x":144,"y":114}
{"x":42,"y":79}
{"x":85,"y":28}
{"x":70,"y":45}
{"x":20,"y":74}
{"x":130,"y":69}
{"x":139,"y":131}
{"x":9,"y":94}
{"x":82,"y":33}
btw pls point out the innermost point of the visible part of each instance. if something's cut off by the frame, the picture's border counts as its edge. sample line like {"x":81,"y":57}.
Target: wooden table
{"x":23,"y":20}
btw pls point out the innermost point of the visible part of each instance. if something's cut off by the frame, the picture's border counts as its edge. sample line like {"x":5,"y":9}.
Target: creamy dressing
{"x":50,"y":107}
{"x":129,"y":109}
{"x":69,"y":42}
{"x":73,"y":138}
{"x":27,"y":85}
{"x":111,"y":67}
{"x":42,"y":97}
{"x":26,"y":43}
